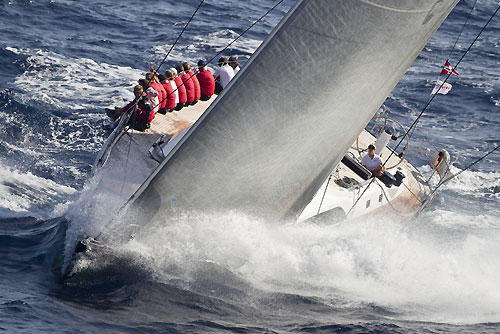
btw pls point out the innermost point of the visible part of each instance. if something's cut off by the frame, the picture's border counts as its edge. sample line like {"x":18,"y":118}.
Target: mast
{"x":285,"y":121}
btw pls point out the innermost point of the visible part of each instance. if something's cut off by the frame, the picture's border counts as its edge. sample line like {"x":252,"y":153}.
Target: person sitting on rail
{"x":373,"y":162}
{"x":192,"y":75}
{"x":206,"y":80}
{"x":171,"y":79}
{"x":140,"y":119}
{"x":153,"y":91}
{"x":223,"y":75}
{"x":233,"y":62}
{"x":188,"y":83}
{"x":152,"y":97}
{"x":181,"y":89}
{"x":162,"y":94}
{"x":170,"y":95}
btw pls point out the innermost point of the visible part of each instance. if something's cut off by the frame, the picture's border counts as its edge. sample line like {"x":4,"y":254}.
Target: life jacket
{"x":197,"y":91}
{"x":181,"y":89}
{"x":189,"y":84}
{"x":170,"y":100}
{"x":207,"y":82}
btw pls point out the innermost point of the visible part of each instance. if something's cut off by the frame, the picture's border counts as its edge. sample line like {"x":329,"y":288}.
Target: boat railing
{"x":105,"y":151}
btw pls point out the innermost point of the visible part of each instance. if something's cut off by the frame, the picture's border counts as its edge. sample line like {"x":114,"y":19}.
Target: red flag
{"x":448,"y":69}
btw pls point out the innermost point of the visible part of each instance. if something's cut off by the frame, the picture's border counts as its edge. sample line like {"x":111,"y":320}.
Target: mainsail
{"x":271,"y":138}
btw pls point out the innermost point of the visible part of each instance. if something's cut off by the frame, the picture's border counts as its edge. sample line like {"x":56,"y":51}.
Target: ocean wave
{"x":27,"y":195}
{"x":74,"y":84}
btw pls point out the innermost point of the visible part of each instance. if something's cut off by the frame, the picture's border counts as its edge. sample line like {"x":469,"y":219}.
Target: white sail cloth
{"x":278,"y":129}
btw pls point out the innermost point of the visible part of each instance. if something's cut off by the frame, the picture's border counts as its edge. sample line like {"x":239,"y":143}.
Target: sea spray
{"x":418,"y":270}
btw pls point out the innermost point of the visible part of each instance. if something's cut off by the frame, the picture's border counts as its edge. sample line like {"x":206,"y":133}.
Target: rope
{"x":427,"y":105}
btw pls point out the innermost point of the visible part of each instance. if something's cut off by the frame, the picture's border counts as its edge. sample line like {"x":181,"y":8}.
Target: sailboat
{"x":283,"y":141}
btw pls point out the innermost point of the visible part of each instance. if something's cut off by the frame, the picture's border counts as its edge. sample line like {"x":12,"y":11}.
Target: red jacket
{"x":197,"y":91}
{"x":207,"y":82}
{"x":126,"y":108}
{"x":189,"y":84}
{"x":144,"y":109}
{"x":181,"y":89}
{"x":170,"y":100}
{"x":161,"y":93}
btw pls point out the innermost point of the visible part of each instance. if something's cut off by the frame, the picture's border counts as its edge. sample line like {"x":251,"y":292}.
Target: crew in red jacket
{"x":139,"y":120}
{"x":188,"y":83}
{"x":170,"y":96}
{"x":180,"y":88}
{"x":197,"y":92}
{"x":206,"y":80}
{"x":154,"y":83}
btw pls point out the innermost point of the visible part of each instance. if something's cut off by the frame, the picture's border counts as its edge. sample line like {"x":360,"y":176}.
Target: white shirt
{"x":176,"y":91}
{"x":153,"y":98}
{"x":225,"y":73}
{"x":236,"y":69}
{"x":370,"y":163}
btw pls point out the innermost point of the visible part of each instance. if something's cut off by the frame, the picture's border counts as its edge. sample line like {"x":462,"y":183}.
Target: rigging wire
{"x":427,"y":104}
{"x":224,"y":49}
{"x":326,"y":188}
{"x":461,"y":31}
{"x":178,"y":37}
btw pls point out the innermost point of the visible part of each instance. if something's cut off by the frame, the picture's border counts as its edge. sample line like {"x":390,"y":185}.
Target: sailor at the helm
{"x":373,"y":162}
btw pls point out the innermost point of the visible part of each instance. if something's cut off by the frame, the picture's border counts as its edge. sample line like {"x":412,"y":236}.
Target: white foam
{"x":416,"y":268}
{"x":25,"y":194}
{"x":214,"y":41}
{"x":74,"y":83}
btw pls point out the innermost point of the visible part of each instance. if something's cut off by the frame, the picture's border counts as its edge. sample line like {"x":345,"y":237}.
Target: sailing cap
{"x":173,"y":70}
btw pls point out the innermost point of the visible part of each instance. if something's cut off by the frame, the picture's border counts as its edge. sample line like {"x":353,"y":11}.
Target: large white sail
{"x":275,"y":133}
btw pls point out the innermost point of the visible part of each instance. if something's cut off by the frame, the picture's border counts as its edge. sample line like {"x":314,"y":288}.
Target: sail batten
{"x":278,"y":129}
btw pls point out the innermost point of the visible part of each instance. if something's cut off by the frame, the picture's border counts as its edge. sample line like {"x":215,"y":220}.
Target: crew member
{"x":207,"y":81}
{"x":197,"y":92}
{"x":188,"y":83}
{"x":181,"y":89}
{"x":223,"y":75}
{"x":140,"y":118}
{"x":169,"y":93}
{"x":373,"y":162}
{"x":233,"y":62}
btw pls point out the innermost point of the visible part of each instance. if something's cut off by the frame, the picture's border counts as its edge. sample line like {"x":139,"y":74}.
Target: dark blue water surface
{"x":62,"y":62}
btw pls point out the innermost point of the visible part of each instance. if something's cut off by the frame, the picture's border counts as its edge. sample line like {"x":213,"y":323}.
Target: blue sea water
{"x":62,"y":62}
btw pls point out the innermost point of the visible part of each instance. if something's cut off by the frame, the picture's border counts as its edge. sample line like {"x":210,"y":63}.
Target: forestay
{"x":271,"y":138}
